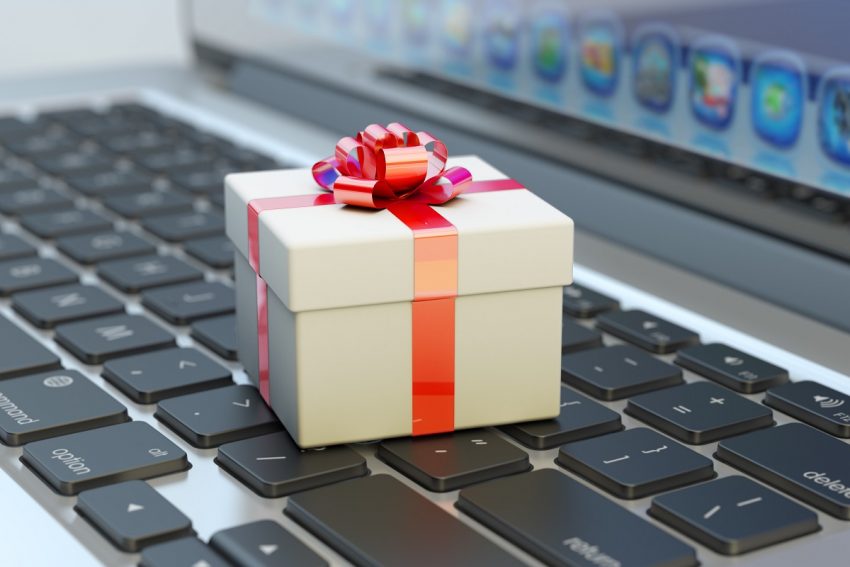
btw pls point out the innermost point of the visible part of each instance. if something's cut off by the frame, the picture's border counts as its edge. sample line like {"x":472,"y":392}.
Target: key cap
{"x":585,"y":303}
{"x":635,"y":463}
{"x":217,"y":334}
{"x":110,"y":182}
{"x":12,"y":126}
{"x":210,"y":418}
{"x":442,"y":463}
{"x":106,"y":455}
{"x":133,"y":515}
{"x":812,"y":403}
{"x":32,"y":273}
{"x":580,"y":418}
{"x":75,"y":161}
{"x":53,"y":403}
{"x":103,"y":246}
{"x":187,"y":552}
{"x":147,"y":204}
{"x":175,"y":159}
{"x":356,"y":516}
{"x":646,"y":331}
{"x":153,"y":376}
{"x":615,"y":372}
{"x":731,"y":367}
{"x":135,"y":142}
{"x":216,"y":199}
{"x":215,"y":251}
{"x":183,"y":303}
{"x":96,"y":340}
{"x":562,"y":522}
{"x":699,"y":413}
{"x":62,"y":223}
{"x":13,"y":247}
{"x":273,"y":465}
{"x":263,"y":544}
{"x":20,"y":353}
{"x":795,"y":458}
{"x":50,"y":307}
{"x":132,"y":275}
{"x":733,"y":515}
{"x":203,"y":180}
{"x":11,"y":180}
{"x":32,"y":199}
{"x":184,"y":226}
{"x":44,"y":143}
{"x":575,"y":337}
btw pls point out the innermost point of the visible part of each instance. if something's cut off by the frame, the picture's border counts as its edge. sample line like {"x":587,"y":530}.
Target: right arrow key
{"x":263,"y":543}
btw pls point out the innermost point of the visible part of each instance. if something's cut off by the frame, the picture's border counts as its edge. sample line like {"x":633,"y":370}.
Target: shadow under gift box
{"x":340,"y":290}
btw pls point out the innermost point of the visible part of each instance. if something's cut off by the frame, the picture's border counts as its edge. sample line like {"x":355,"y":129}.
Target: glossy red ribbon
{"x":404,"y":172}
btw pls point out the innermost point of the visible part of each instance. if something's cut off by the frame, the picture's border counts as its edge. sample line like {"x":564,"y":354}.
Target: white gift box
{"x":340,"y":285}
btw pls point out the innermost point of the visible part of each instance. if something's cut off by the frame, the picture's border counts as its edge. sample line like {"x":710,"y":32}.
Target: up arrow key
{"x":268,"y":549}
{"x":134,"y":508}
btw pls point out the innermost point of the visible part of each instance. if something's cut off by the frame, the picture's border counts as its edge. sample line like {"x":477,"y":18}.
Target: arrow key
{"x":263,"y":544}
{"x":132,"y":515}
{"x":186,"y":552}
{"x":181,"y":304}
{"x":208,"y":419}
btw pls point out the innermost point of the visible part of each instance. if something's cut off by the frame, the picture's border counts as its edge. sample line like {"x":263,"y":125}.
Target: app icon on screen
{"x":834,"y":116}
{"x":655,"y":59}
{"x":599,"y":44}
{"x":714,"y":84}
{"x":778,"y":95}
{"x":457,"y":27}
{"x":501,"y":33}
{"x":549,"y":45}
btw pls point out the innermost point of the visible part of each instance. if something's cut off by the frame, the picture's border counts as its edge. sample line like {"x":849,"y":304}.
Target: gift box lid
{"x":322,"y":257}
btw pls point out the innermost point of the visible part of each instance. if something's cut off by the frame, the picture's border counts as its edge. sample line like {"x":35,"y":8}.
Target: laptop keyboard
{"x":111,"y":207}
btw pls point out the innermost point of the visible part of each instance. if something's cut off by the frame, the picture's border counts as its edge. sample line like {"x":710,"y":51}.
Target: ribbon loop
{"x":386,"y":164}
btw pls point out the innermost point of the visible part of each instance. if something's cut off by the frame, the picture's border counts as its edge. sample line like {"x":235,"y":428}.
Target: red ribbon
{"x":404,"y":172}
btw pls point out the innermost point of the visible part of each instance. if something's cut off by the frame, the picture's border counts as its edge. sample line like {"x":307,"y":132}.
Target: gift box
{"x":403,"y":317}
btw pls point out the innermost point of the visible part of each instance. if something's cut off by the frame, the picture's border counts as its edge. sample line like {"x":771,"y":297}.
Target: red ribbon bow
{"x":384,"y":165}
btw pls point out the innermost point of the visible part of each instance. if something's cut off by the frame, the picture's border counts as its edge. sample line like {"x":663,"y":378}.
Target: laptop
{"x":702,"y":150}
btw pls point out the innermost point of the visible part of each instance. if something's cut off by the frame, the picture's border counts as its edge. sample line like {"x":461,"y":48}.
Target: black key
{"x":208,"y":419}
{"x":814,"y":404}
{"x":102,"y":246}
{"x":149,"y":203}
{"x":135,"y":142}
{"x":63,"y":223}
{"x":563,"y":522}
{"x":217,"y":334}
{"x":187,"y":552}
{"x":203,"y":180}
{"x":647,"y":331}
{"x":43,"y":143}
{"x":75,"y":161}
{"x":575,"y":337}
{"x":54,"y":403}
{"x":13,"y":247}
{"x":700,"y":412}
{"x":153,"y":376}
{"x":264,"y":544}
{"x":183,"y":303}
{"x":615,"y":372}
{"x":101,"y":125}
{"x":216,"y":199}
{"x":22,"y":354}
{"x":111,"y":182}
{"x":106,"y":455}
{"x":797,"y":459}
{"x":133,"y":515}
{"x":248,"y":157}
{"x":11,"y":126}
{"x":585,"y":303}
{"x":32,"y":199}
{"x":635,"y":463}
{"x":32,"y":273}
{"x":447,"y":462}
{"x":273,"y":465}
{"x":184,"y":226}
{"x":580,"y":418}
{"x":734,"y":515}
{"x":731,"y":367}
{"x":135,"y":274}
{"x":368,"y":520}
{"x":11,"y":179}
{"x":50,"y":307}
{"x":96,"y":340}
{"x":176,"y":159}
{"x":215,"y":251}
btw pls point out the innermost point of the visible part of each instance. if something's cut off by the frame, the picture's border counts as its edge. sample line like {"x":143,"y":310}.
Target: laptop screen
{"x":764,"y":84}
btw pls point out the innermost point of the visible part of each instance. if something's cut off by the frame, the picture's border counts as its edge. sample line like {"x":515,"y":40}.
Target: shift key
{"x":129,"y":451}
{"x":22,"y":354}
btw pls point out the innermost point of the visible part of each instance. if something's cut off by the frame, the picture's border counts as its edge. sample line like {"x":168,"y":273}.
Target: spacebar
{"x":22,"y":354}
